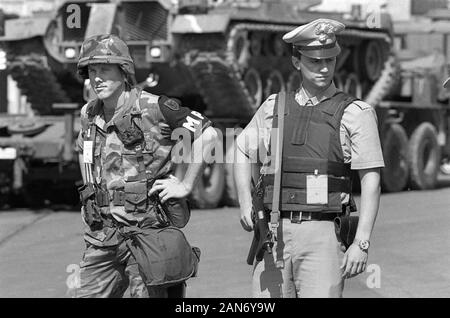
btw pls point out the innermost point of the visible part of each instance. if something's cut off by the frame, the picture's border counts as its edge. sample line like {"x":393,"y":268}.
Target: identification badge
{"x":88,"y":151}
{"x":317,"y":189}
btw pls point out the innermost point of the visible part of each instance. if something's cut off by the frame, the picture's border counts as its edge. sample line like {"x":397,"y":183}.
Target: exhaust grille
{"x":144,"y":21}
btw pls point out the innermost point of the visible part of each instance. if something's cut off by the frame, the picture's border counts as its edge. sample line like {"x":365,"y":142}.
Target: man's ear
{"x":296,"y":62}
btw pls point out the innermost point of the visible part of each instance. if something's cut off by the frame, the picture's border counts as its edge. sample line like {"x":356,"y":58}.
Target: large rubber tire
{"x":37,"y":82}
{"x":209,"y":190}
{"x":395,"y":174}
{"x":230,"y":197}
{"x":424,"y":157}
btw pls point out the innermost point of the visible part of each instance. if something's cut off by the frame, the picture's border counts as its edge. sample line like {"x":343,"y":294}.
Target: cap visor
{"x":322,"y":53}
{"x":446,"y":83}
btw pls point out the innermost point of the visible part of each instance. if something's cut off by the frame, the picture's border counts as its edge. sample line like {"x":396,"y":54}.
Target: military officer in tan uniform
{"x":323,"y":128}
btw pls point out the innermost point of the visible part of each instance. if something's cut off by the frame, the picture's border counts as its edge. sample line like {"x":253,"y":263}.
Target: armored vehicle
{"x":223,"y":57}
{"x":38,"y":164}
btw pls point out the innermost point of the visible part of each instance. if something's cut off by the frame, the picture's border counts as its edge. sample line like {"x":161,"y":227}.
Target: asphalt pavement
{"x":39,"y":250}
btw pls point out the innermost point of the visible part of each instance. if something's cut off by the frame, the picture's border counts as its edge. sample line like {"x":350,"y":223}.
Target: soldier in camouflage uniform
{"x":121,"y":173}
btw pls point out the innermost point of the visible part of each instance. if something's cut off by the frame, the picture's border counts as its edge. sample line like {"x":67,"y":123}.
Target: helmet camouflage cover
{"x":105,"y":49}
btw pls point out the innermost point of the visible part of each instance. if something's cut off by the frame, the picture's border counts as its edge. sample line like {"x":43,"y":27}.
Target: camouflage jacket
{"x":116,"y":166}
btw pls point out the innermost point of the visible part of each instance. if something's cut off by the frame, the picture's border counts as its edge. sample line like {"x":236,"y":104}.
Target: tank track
{"x":219,"y":75}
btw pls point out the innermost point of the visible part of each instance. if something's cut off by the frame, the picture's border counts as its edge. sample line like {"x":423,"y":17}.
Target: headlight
{"x":155,"y":52}
{"x":70,"y":53}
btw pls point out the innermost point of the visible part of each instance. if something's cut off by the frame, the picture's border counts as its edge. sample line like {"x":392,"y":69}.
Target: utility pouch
{"x":86,"y":191}
{"x":345,"y":227}
{"x":178,"y":211}
{"x":102,"y":198}
{"x":136,"y":196}
{"x":128,"y":132}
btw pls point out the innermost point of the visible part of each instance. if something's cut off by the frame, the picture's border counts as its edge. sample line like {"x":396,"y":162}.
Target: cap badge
{"x":323,"y":30}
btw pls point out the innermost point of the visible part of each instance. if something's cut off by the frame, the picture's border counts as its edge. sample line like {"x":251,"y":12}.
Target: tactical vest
{"x":138,"y":159}
{"x":311,"y":147}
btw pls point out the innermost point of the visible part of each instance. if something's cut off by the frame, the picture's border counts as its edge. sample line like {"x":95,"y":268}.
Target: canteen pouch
{"x":128,"y":132}
{"x":164,"y":256}
{"x":345,"y":227}
{"x":136,"y":196}
{"x":177,"y":211}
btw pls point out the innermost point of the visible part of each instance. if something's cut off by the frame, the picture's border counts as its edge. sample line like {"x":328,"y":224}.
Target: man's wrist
{"x":188,"y":186}
{"x":363,"y":244}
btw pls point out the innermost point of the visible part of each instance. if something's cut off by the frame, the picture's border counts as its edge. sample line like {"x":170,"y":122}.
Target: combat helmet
{"x":107,"y":49}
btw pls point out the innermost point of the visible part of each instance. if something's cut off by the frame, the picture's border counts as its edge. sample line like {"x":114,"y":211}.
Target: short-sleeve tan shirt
{"x":359,"y":136}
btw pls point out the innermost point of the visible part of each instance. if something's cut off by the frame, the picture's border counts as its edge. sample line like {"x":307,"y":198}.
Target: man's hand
{"x":354,"y":262}
{"x":169,"y":188}
{"x":246,"y":220}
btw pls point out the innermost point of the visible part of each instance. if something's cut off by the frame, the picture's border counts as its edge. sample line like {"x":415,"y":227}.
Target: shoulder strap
{"x":336,"y":106}
{"x":275,"y":214}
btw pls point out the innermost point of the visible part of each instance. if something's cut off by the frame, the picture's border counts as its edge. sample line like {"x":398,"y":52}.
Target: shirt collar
{"x":97,"y":111}
{"x":302,"y":96}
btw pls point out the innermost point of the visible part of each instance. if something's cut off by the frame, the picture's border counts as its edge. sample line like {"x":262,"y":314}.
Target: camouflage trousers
{"x":107,"y":272}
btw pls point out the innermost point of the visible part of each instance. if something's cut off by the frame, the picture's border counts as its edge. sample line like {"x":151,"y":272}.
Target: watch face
{"x":364,"y":245}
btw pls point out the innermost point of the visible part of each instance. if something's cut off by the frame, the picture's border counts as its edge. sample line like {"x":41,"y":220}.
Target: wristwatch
{"x":364,"y":245}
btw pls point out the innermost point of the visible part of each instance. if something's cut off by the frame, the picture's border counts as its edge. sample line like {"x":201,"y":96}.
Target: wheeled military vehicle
{"x":415,"y":116}
{"x":38,"y":163}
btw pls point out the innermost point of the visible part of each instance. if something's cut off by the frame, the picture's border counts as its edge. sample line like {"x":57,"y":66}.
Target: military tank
{"x":224,"y":58}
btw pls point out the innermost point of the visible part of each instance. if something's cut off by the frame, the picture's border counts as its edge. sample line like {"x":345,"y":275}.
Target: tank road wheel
{"x":253,"y":83}
{"x":395,"y":175}
{"x":424,"y":157}
{"x":276,"y":46}
{"x":256,"y":44}
{"x":274,"y":83}
{"x":241,"y":50}
{"x":369,"y":60}
{"x":294,"y":81}
{"x":353,"y":86}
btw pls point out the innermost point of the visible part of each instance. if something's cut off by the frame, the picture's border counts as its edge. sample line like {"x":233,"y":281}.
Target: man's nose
{"x":324,"y":67}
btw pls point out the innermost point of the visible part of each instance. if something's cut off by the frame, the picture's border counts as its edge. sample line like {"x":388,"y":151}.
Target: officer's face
{"x":317,"y":73}
{"x":106,"y":80}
